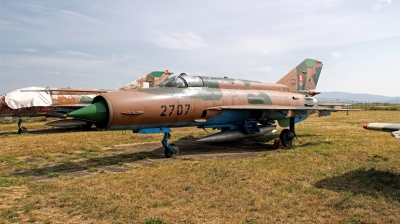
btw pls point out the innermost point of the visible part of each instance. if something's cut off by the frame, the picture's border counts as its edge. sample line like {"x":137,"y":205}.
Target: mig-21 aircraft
{"x":388,"y":127}
{"x":239,"y":108}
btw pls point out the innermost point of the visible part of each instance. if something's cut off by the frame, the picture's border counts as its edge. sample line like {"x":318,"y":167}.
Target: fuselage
{"x":178,"y":106}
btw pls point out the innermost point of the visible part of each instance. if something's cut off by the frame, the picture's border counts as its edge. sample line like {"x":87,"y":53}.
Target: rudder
{"x":304,"y":77}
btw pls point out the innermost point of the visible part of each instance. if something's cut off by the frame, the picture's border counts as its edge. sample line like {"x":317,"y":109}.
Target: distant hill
{"x":343,"y":96}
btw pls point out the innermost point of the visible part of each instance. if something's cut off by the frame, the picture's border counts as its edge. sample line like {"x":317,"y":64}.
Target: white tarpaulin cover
{"x":17,"y":99}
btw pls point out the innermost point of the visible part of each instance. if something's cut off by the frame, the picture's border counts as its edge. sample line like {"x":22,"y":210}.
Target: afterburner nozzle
{"x":96,"y":112}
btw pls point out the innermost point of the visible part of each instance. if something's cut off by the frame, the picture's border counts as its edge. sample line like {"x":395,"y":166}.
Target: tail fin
{"x":304,"y":77}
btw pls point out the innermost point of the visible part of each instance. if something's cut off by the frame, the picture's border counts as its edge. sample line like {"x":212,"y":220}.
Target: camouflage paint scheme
{"x":218,"y":102}
{"x":387,"y":127}
{"x":209,"y":102}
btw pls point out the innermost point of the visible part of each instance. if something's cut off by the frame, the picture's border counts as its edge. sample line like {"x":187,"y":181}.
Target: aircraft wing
{"x":273,"y":108}
{"x":299,"y":112}
{"x":265,"y":107}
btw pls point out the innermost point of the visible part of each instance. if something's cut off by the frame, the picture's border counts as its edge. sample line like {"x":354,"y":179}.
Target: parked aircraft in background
{"x":57,"y":102}
{"x":388,"y":127}
{"x":239,"y":108}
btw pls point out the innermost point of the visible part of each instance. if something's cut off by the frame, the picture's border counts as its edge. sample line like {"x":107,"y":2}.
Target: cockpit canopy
{"x":183,"y":81}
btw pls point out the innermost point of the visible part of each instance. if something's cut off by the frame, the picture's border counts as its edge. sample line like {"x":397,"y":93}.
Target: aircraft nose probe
{"x":96,"y":112}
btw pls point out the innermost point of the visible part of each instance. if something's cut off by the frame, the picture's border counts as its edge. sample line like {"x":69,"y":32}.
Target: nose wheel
{"x":171,"y":150}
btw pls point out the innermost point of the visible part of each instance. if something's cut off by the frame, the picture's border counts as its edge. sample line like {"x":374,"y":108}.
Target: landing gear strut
{"x":171,"y":150}
{"x":287,"y":135}
{"x":20,"y":128}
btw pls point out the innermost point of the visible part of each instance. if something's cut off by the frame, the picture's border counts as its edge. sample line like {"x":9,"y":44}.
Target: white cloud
{"x":263,"y":69}
{"x":188,"y":40}
{"x":61,"y":13}
{"x":30,"y":50}
{"x":382,"y":4}
{"x":265,"y":52}
{"x":7,"y":23}
{"x":52,"y":72}
{"x":387,"y":1}
{"x":336,"y":54}
{"x":73,"y":53}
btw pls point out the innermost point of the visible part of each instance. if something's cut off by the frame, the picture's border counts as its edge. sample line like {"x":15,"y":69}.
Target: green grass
{"x":337,"y":172}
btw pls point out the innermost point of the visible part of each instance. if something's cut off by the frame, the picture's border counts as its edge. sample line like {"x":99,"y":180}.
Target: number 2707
{"x":180,"y":109}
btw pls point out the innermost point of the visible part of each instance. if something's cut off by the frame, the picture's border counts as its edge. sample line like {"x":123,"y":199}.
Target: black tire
{"x":170,"y":154}
{"x":22,"y":130}
{"x":286,"y":138}
{"x":87,"y":126}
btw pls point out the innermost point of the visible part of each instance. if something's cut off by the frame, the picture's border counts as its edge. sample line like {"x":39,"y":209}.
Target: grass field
{"x":336,"y":173}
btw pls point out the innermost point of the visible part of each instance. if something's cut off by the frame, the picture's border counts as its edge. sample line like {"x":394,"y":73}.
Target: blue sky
{"x":107,"y":44}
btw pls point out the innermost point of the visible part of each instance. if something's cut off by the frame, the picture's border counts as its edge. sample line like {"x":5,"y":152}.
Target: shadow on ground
{"x":89,"y":164}
{"x":370,"y":182}
{"x":127,"y":157}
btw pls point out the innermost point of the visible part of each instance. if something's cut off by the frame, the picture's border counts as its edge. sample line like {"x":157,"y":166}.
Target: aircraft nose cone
{"x":365,"y":126}
{"x":96,"y":112}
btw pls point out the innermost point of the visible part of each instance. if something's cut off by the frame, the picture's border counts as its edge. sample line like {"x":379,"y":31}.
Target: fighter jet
{"x":57,"y":102}
{"x":388,"y":127}
{"x":239,"y":108}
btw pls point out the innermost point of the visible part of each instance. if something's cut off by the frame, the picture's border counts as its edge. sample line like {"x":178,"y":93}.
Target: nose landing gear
{"x":171,"y":150}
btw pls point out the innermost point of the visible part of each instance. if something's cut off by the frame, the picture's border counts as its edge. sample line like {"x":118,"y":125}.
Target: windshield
{"x":182,"y":81}
{"x":173,"y":82}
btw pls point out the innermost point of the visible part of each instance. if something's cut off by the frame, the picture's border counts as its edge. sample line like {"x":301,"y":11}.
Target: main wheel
{"x":169,"y":153}
{"x":286,"y":138}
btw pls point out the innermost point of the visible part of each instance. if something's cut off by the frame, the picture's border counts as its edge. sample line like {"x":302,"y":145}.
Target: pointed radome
{"x":96,"y":112}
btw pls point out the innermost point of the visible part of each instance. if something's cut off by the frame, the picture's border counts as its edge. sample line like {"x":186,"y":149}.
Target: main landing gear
{"x":171,"y":150}
{"x":20,"y":128}
{"x":287,"y":135}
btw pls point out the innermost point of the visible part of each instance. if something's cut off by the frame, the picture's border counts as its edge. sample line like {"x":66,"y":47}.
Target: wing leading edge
{"x":276,"y":108}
